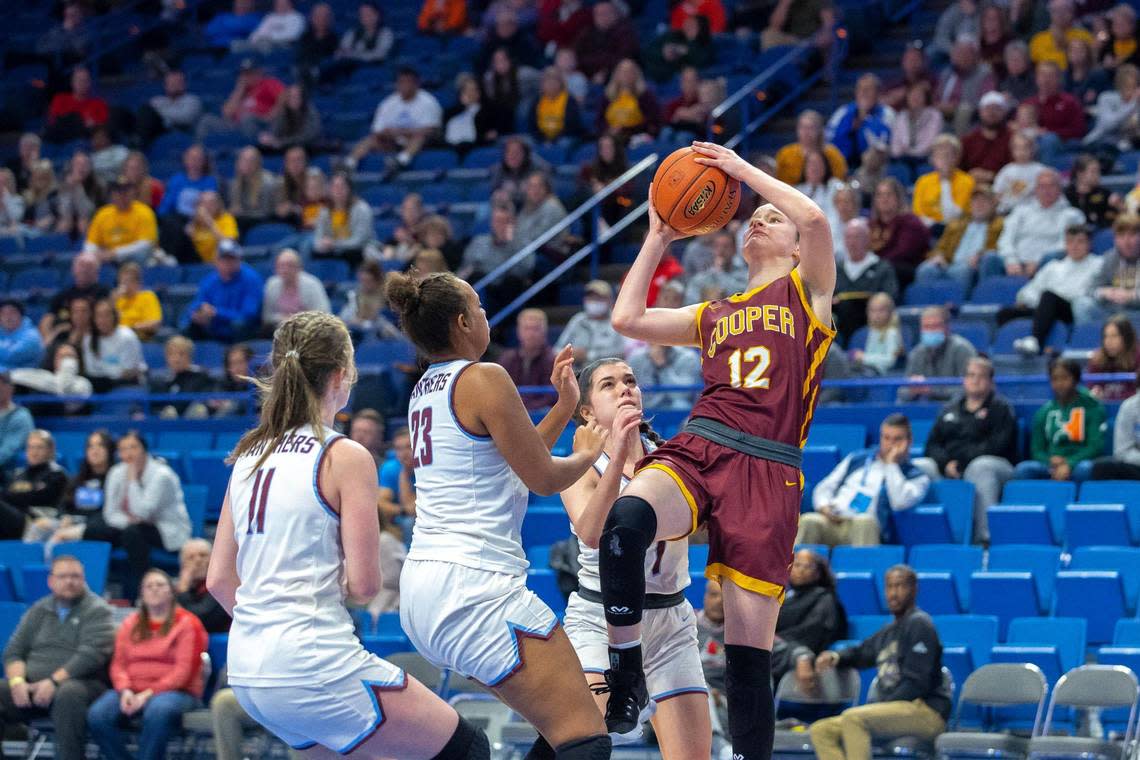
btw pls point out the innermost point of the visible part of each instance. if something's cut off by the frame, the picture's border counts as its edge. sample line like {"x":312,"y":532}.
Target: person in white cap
{"x":985,"y":148}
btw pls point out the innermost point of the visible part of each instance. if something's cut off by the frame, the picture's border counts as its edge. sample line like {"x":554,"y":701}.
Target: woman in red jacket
{"x":156,"y":673}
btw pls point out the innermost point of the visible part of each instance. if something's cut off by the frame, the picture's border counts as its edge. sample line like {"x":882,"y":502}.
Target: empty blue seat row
{"x":1050,"y":512}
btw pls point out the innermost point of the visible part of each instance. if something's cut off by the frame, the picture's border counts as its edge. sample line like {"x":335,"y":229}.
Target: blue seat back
{"x":1095,"y":595}
{"x":1042,"y":561}
{"x":1126,"y":492}
{"x":209,"y":468}
{"x":937,"y":593}
{"x":195,"y":498}
{"x":543,"y":526}
{"x":955,"y":559}
{"x":1069,"y":635}
{"x":859,"y":592}
{"x":846,"y":438}
{"x":1006,"y":595}
{"x":1127,"y":633}
{"x":1053,"y":494}
{"x":1122,"y":559}
{"x":10,"y":614}
{"x":978,"y":633}
{"x":819,"y":461}
{"x":16,"y":554}
{"x":860,"y":627}
{"x":1096,"y":524}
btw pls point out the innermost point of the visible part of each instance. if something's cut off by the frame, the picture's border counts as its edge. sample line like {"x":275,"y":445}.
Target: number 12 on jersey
{"x":755,"y":378}
{"x":258,"y":497}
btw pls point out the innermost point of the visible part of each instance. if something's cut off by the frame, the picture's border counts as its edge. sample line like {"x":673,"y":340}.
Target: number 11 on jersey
{"x":257,"y":500}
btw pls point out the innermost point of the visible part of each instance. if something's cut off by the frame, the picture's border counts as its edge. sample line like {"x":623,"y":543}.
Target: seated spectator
{"x":629,"y":108}
{"x":959,"y":251}
{"x":1067,"y":432}
{"x":226,"y":28}
{"x":939,"y":353}
{"x":962,"y":84}
{"x":398,"y":479}
{"x":560,"y":22}
{"x":369,"y":42}
{"x":541,"y":210}
{"x":859,"y":276}
{"x":67,"y":43}
{"x":985,"y":149}
{"x":688,"y":45}
{"x":175,"y":109}
{"x":290,"y":290}
{"x":112,"y":353}
{"x":1099,"y":204}
{"x":180,"y":202}
{"x":487,"y":251}
{"x":443,"y":17}
{"x":364,"y":310}
{"x":314,"y":199}
{"x":502,"y":92}
{"x":295,"y":121}
{"x":811,"y":619}
{"x":913,"y":69}
{"x":107,"y":156}
{"x":1117,"y":285}
{"x":555,"y":113}
{"x":404,"y":122}
{"x":27,"y":156}
{"x":227,"y":306}
{"x":156,"y":673}
{"x":608,"y":164}
{"x":84,"y":285}
{"x":34,"y":490}
{"x":809,"y":139}
{"x":404,"y":242}
{"x":190,"y":588}
{"x":1050,"y":45}
{"x":80,"y":194}
{"x":931,"y":204}
{"x":137,"y":309}
{"x":532,"y":363}
{"x":79,"y":323}
{"x":15,"y":425}
{"x":518,"y":163}
{"x":12,"y":207}
{"x":61,"y":377}
{"x":818,"y":184}
{"x":73,"y":114}
{"x":367,"y":428}
{"x":793,"y":22}
{"x":1124,"y":464}
{"x":1118,"y":353}
{"x":469,"y":122}
{"x":861,"y":124}
{"x":897,"y":236}
{"x":253,"y":191}
{"x":1114,"y":114}
{"x":505,"y":33}
{"x":281,"y":27}
{"x":722,"y":275}
{"x":291,"y":192}
{"x":1037,"y":227}
{"x":853,"y":504}
{"x":1015,"y":182}
{"x":41,"y":199}
{"x":344,"y":228}
{"x":1058,"y":112}
{"x":56,"y":659}
{"x":211,"y":226}
{"x":974,"y":438}
{"x":1019,"y":82}
{"x":123,"y":230}
{"x":146,"y":188}
{"x":960,"y":18}
{"x":589,"y":331}
{"x":609,"y":39}
{"x":20,"y":344}
{"x":1084,"y":80}
{"x":912,"y":696}
{"x":317,"y":44}
{"x":712,"y":11}
{"x":915,"y":127}
{"x":685,"y":113}
{"x":884,"y":349}
{"x":143,"y":508}
{"x":657,"y":365}
{"x":238,"y":369}
{"x":83,"y":496}
{"x":1118,"y":46}
{"x":251,"y":103}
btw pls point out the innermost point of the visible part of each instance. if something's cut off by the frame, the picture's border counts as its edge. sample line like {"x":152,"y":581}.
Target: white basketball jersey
{"x":290,"y":623}
{"x":666,"y":562}
{"x":470,"y":504}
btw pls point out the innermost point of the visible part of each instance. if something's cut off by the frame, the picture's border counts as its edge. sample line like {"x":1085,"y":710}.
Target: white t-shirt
{"x":279,"y":28}
{"x":394,"y":112}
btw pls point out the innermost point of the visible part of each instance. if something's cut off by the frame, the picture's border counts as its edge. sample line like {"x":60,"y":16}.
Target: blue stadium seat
{"x":388,"y":624}
{"x":997,"y":291}
{"x":1019,"y":328}
{"x":1006,"y":595}
{"x":8,"y":583}
{"x":977,"y":333}
{"x":96,"y":559}
{"x":1126,"y":492}
{"x":268,"y":233}
{"x":226,"y":440}
{"x":695,"y":591}
{"x":209,"y":468}
{"x":209,"y":354}
{"x":483,"y":157}
{"x":1019,"y":523}
{"x":1042,"y":561}
{"x":385,"y":352}
{"x":1096,"y":524}
{"x":1053,"y":494}
{"x":861,"y":627}
{"x":1056,"y":645}
{"x":977,"y":633}
{"x":1125,"y":648}
{"x":544,"y":584}
{"x":1085,"y":336}
{"x":1124,"y":560}
{"x":161,"y":277}
{"x":330,"y":270}
{"x":938,"y":593}
{"x":16,"y":554}
{"x":859,"y":592}
{"x":946,"y":515}
{"x":940,"y":293}
{"x":10,"y":614}
{"x":195,"y":497}
{"x":698,"y":557}
{"x":1127,"y":633}
{"x":35,"y":581}
{"x":1104,"y":239}
{"x":35,"y":280}
{"x":819,"y":461}
{"x":435,"y":160}
{"x":538,"y":556}
{"x":1096,"y":595}
{"x":958,"y":560}
{"x":846,"y":438}
{"x":184,"y":440}
{"x":50,"y":242}
{"x":920,"y":429}
{"x":873,"y":559}
{"x":544,"y":526}
{"x":382,"y":646}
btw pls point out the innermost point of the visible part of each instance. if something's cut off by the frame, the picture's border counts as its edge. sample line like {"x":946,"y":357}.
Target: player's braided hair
{"x":585,"y":386}
{"x":307,"y":349}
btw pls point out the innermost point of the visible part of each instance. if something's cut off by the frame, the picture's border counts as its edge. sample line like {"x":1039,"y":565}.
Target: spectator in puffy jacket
{"x":34,"y":489}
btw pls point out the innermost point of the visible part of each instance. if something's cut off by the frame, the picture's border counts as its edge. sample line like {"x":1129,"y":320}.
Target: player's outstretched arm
{"x":348,"y":482}
{"x":487,"y":403}
{"x":562,"y":377}
{"x":631,"y":316}
{"x":817,"y":252}
{"x":589,"y":500}
{"x":222,"y":579}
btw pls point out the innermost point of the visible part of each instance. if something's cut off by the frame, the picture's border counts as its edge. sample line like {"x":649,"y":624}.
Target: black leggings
{"x":137,"y":540}
{"x":1050,"y":310}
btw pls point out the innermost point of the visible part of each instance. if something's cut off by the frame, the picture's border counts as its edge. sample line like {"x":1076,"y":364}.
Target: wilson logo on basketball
{"x":699,"y":202}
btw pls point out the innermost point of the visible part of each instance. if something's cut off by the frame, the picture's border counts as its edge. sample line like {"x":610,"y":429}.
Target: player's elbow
{"x":815,"y":220}
{"x":363,"y":587}
{"x":591,"y":537}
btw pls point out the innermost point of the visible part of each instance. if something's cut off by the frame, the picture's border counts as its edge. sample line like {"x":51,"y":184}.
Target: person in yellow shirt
{"x":1051,"y":44}
{"x":124,"y":229}
{"x":210,"y":226}
{"x":138,"y":309}
{"x":809,"y":139}
{"x":942,"y":195}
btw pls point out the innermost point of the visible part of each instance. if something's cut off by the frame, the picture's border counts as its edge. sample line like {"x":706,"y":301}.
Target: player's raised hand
{"x":725,"y":159}
{"x":563,"y":379}
{"x":624,"y":432}
{"x":657,"y":226}
{"x":591,"y":438}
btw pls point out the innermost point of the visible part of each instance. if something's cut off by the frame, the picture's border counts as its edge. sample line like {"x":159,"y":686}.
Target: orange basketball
{"x":692,"y":198}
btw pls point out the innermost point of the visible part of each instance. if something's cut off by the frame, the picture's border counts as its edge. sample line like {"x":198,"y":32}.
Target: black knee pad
{"x":751,"y":709}
{"x":467,"y":743}
{"x":629,"y":530}
{"x":540,"y":750}
{"x":591,"y":748}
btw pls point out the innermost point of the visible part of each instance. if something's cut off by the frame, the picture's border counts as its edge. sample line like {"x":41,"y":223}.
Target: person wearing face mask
{"x":940,"y":353}
{"x":589,"y":331}
{"x":861,"y":275}
{"x":62,"y":380}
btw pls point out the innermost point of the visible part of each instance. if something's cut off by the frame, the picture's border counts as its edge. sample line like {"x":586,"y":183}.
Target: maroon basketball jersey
{"x":762,"y":358}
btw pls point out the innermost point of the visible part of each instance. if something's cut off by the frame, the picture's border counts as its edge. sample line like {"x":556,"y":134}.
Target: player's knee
{"x":467,"y":743}
{"x":631,"y":522}
{"x":590,"y":748}
{"x":851,"y":718}
{"x":822,"y":730}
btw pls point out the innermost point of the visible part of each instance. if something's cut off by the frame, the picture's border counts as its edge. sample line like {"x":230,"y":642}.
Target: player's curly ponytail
{"x":586,"y":386}
{"x":307,"y":349}
{"x":427,"y":308}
